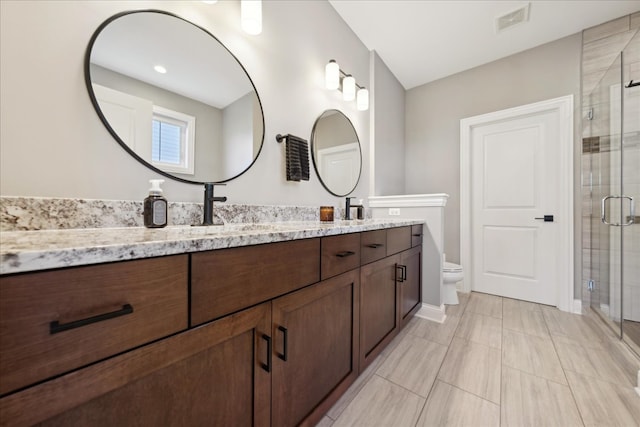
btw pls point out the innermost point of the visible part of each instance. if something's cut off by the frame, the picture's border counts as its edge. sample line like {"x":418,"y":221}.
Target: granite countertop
{"x":22,"y":251}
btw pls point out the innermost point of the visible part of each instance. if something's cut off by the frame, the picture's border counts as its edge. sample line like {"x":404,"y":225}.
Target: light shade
{"x":349,"y":88}
{"x":332,"y":75}
{"x":251,"y":16}
{"x":362,"y":100}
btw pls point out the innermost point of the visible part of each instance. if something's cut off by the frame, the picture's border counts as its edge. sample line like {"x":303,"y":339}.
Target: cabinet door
{"x":379,"y":318}
{"x":410,"y":283}
{"x":315,"y":359}
{"x":213,"y":375}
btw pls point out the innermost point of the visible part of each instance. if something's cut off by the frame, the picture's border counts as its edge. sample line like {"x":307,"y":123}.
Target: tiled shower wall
{"x":600,"y":47}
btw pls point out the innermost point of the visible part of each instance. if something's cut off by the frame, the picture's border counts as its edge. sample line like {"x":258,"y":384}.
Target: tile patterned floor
{"x":496,"y":362}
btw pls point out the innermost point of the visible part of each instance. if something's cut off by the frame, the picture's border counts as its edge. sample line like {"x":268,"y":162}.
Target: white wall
{"x":53,"y":144}
{"x":389,"y":130}
{"x":434,"y":110}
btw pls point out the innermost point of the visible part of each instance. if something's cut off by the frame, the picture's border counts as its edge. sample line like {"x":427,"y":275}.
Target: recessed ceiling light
{"x":160,"y":69}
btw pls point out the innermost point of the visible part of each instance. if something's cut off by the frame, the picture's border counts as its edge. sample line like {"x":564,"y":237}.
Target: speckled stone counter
{"x":22,"y":251}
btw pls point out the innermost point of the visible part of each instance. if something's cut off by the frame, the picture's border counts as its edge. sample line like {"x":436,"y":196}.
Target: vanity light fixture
{"x":362,"y":100}
{"x":160,"y":69}
{"x":335,"y":78}
{"x":349,"y":88}
{"x":251,"y":16}
{"x":332,"y":75}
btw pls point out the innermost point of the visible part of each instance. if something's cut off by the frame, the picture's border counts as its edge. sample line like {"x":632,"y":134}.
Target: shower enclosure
{"x":611,"y":184}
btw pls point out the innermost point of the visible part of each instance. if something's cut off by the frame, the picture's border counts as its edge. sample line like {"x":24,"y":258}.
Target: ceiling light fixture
{"x":160,"y":69}
{"x":335,"y":78}
{"x":251,"y":16}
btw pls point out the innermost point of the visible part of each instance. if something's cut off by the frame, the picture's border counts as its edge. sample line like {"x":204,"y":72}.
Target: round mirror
{"x":336,"y":154}
{"x":174,"y":97}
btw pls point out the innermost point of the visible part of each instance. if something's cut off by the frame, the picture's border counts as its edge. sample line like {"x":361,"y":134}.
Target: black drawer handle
{"x":417,"y":235}
{"x":285,"y":338}
{"x":400,"y":277}
{"x":375,"y":245}
{"x":55,"y":326}
{"x":267,"y":367}
{"x":345,"y":254}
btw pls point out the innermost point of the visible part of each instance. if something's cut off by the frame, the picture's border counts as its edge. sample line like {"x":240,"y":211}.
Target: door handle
{"x":630,"y":218}
{"x":546,"y":218}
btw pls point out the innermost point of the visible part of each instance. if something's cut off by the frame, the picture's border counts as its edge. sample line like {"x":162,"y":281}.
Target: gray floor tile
{"x":414,"y":364}
{"x":449,"y":406}
{"x":489,"y":305}
{"x":528,"y":400}
{"x":531,"y":354}
{"x":480,"y":329}
{"x":474,"y":368}
{"x":382,"y":403}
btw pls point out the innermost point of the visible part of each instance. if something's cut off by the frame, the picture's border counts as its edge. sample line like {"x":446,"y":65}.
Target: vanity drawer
{"x":416,"y":235}
{"x":339,"y":254}
{"x":228,"y":280}
{"x":398,"y":239}
{"x":374,"y":246}
{"x":123,"y":305}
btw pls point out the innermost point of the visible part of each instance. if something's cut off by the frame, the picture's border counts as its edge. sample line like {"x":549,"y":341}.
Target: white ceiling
{"x":425,"y":40}
{"x":198,"y":67}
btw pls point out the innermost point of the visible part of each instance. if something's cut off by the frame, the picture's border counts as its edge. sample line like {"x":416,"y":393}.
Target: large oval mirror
{"x":174,"y":96}
{"x":336,"y":153}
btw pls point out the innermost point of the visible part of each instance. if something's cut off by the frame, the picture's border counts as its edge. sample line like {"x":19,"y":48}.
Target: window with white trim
{"x":173,"y":136}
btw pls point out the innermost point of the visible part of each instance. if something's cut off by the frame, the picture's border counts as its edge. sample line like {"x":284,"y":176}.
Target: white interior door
{"x":515,"y":177}
{"x":340,"y":166}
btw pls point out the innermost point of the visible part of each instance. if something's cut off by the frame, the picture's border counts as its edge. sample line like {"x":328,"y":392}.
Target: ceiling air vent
{"x":513,"y":18}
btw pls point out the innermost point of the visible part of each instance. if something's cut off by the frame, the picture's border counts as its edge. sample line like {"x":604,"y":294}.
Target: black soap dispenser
{"x":155,"y":206}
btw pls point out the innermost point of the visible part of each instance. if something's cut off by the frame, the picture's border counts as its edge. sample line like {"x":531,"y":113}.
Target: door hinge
{"x":590,"y":284}
{"x":590,"y":114}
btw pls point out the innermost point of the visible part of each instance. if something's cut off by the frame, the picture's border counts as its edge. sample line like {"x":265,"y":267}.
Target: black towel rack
{"x":280,"y":137}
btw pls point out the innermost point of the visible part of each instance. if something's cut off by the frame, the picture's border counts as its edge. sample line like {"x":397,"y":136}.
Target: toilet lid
{"x":451,"y":267}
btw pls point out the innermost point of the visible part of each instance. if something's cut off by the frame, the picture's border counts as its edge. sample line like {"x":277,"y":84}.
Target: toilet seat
{"x":450,"y":267}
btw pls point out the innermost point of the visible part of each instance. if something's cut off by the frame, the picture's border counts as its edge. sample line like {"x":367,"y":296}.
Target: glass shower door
{"x":612,"y":149}
{"x":630,"y":182}
{"x":604,"y":145}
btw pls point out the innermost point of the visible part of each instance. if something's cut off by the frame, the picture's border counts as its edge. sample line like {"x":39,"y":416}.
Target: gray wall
{"x":238,"y":135}
{"x":434,"y":110}
{"x":389,"y":131}
{"x":52,"y":143}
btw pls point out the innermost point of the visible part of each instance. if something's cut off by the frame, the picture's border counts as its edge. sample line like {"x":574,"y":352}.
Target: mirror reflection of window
{"x":173,"y":140}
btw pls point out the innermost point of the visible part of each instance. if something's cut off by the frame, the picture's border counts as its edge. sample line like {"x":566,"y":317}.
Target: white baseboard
{"x":577,"y":306}
{"x":432,"y":312}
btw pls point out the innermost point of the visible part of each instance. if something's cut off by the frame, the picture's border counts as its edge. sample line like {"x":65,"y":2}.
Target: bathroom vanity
{"x":254,"y":324}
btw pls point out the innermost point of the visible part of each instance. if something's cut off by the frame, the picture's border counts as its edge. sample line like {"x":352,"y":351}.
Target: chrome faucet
{"x":208,"y":202}
{"x":348,"y":206}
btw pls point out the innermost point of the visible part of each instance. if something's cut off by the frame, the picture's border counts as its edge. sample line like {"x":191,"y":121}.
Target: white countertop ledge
{"x":23,"y":251}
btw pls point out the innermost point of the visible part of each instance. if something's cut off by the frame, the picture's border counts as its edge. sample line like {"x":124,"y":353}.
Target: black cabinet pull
{"x":417,"y":235}
{"x":375,"y":245}
{"x":267,"y":367}
{"x":401,"y":278}
{"x":55,"y":326}
{"x":404,"y":272}
{"x":285,"y":337}
{"x":345,"y":254}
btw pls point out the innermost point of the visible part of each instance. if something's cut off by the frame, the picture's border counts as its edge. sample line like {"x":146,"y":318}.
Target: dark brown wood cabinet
{"x":410,"y":283}
{"x":379,"y":320}
{"x":315,"y":335}
{"x":212,"y":375}
{"x":154,"y":292}
{"x":266,"y":335}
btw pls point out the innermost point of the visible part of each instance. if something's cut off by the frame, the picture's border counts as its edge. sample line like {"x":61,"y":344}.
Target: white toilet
{"x":451,"y":274}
